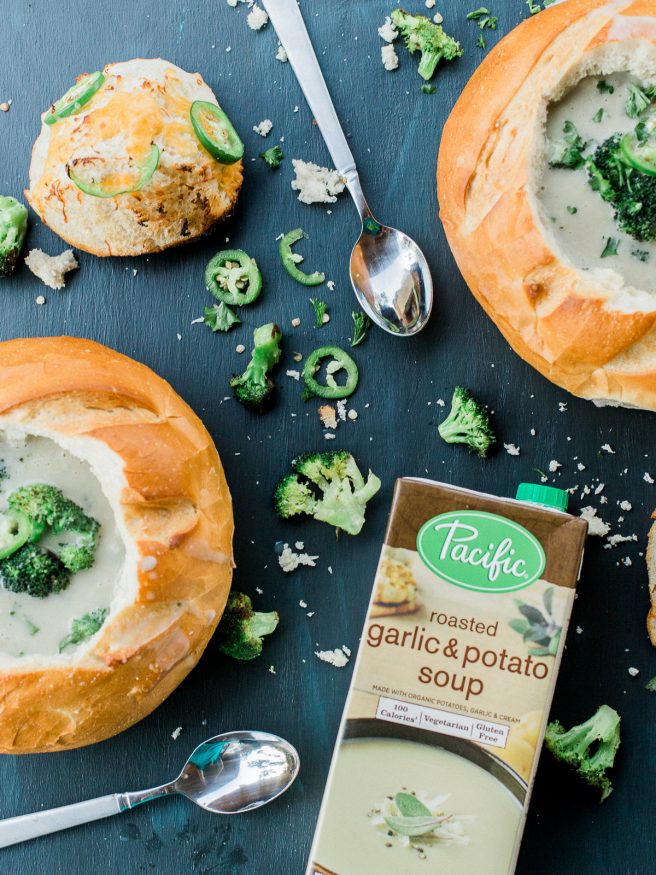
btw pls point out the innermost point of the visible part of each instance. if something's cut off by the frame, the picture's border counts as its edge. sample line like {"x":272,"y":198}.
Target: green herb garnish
{"x":605,"y":87}
{"x":428,"y":89}
{"x":611,"y":247}
{"x":572,"y":210}
{"x":361,"y":324}
{"x":639,"y":100}
{"x":272,"y":156}
{"x":220,"y":317}
{"x":320,"y":310}
{"x":598,"y":116}
{"x":481,"y":42}
{"x":568,"y":152}
{"x":483,"y":18}
{"x":641,"y":255}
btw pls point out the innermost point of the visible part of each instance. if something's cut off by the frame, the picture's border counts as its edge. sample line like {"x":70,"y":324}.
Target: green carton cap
{"x":547,"y":496}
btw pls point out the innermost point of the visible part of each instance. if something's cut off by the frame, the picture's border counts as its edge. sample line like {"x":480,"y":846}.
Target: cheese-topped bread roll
{"x":133,"y":159}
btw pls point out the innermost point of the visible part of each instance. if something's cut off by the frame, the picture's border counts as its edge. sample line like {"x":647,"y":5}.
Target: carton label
{"x":481,"y":551}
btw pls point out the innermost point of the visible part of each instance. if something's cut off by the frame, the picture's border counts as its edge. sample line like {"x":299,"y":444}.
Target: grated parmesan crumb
{"x":511,"y":449}
{"x":634,"y":672}
{"x":554,"y":465}
{"x":608,"y":449}
{"x":281,"y":54}
{"x":175,"y":735}
{"x":626,"y":505}
{"x":295,"y":375}
{"x":647,"y":477}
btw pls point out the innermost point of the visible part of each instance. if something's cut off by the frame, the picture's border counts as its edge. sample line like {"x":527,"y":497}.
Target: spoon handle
{"x":31,"y":826}
{"x":292,"y":33}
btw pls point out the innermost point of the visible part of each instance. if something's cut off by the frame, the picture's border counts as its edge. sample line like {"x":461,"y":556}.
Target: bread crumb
{"x":4,"y":106}
{"x":295,"y":375}
{"x":264,"y":127}
{"x":330,"y":435}
{"x":325,"y":318}
{"x":599,"y":488}
{"x":175,"y":735}
{"x":316,"y":184}
{"x":511,"y":449}
{"x":40,"y":299}
{"x":647,"y":477}
{"x":387,"y":31}
{"x":336,"y":657}
{"x":626,"y":505}
{"x":281,"y":54}
{"x":634,"y":672}
{"x":352,"y":414}
{"x":389,"y":57}
{"x":341,"y":410}
{"x":580,"y":467}
{"x":328,"y":416}
{"x":240,"y":348}
{"x":608,"y":449}
{"x":272,"y":669}
{"x":331,"y":285}
{"x":51,"y":269}
{"x":614,"y":540}
{"x":596,"y":526}
{"x":554,"y":465}
{"x":290,"y":561}
{"x":296,"y":322}
{"x":562,"y":406}
{"x":438,"y":18}
{"x":257,"y":18}
{"x":430,"y":4}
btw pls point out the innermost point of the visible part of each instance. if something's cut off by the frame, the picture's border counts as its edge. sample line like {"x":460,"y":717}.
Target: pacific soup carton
{"x":444,"y":721}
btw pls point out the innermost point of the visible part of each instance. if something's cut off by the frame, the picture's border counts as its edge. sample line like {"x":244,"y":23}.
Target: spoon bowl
{"x":238,"y":771}
{"x":391,"y":279}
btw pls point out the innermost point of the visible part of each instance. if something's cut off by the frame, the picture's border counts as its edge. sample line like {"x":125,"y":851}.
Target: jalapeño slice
{"x":215,"y":132}
{"x":99,"y":178}
{"x":639,"y":154}
{"x":75,"y":97}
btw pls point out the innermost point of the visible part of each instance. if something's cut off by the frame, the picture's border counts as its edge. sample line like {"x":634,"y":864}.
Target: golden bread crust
{"x":568,"y":325}
{"x":141,"y":102}
{"x":177,"y":510}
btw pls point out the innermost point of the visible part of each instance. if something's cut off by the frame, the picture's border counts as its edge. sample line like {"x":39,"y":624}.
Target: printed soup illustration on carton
{"x":444,"y":721}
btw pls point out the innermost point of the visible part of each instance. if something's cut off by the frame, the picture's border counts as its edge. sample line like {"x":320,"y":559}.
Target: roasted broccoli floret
{"x":272,"y":156}
{"x":328,"y":487}
{"x":13,"y":227}
{"x":48,"y":506}
{"x":630,"y":193}
{"x":84,"y":627}
{"x":34,"y":571}
{"x":467,"y":423}
{"x":254,"y":387}
{"x":421,"y":34}
{"x":242,"y":629}
{"x":589,"y":748}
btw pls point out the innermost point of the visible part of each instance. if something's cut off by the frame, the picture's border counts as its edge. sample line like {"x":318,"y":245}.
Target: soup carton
{"x":444,"y":722}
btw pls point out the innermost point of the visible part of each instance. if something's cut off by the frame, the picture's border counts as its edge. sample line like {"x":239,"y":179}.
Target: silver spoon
{"x":227,"y":774}
{"x":389,"y":272}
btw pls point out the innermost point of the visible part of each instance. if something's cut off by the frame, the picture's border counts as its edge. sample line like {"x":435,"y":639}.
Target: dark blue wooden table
{"x":394,"y":131}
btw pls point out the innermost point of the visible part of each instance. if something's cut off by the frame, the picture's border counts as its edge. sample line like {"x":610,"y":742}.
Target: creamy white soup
{"x":579,"y":219}
{"x":485,"y":816}
{"x":30,"y":625}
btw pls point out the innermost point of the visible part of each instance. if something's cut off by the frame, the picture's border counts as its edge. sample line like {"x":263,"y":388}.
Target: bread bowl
{"x":74,"y":414}
{"x":138,"y":107}
{"x":587,"y":324}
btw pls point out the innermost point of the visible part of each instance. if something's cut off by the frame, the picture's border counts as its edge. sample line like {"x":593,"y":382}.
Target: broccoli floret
{"x":467,"y":423}
{"x":220,"y":317}
{"x":13,"y":227}
{"x":48,"y":506}
{"x":84,"y":627}
{"x":242,"y":629}
{"x":421,"y":34}
{"x":328,"y":487}
{"x":589,"y":748}
{"x":630,"y":193}
{"x":34,"y":571}
{"x":254,"y":387}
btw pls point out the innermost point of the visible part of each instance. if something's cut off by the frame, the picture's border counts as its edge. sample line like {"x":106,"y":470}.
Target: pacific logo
{"x":481,"y":551}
